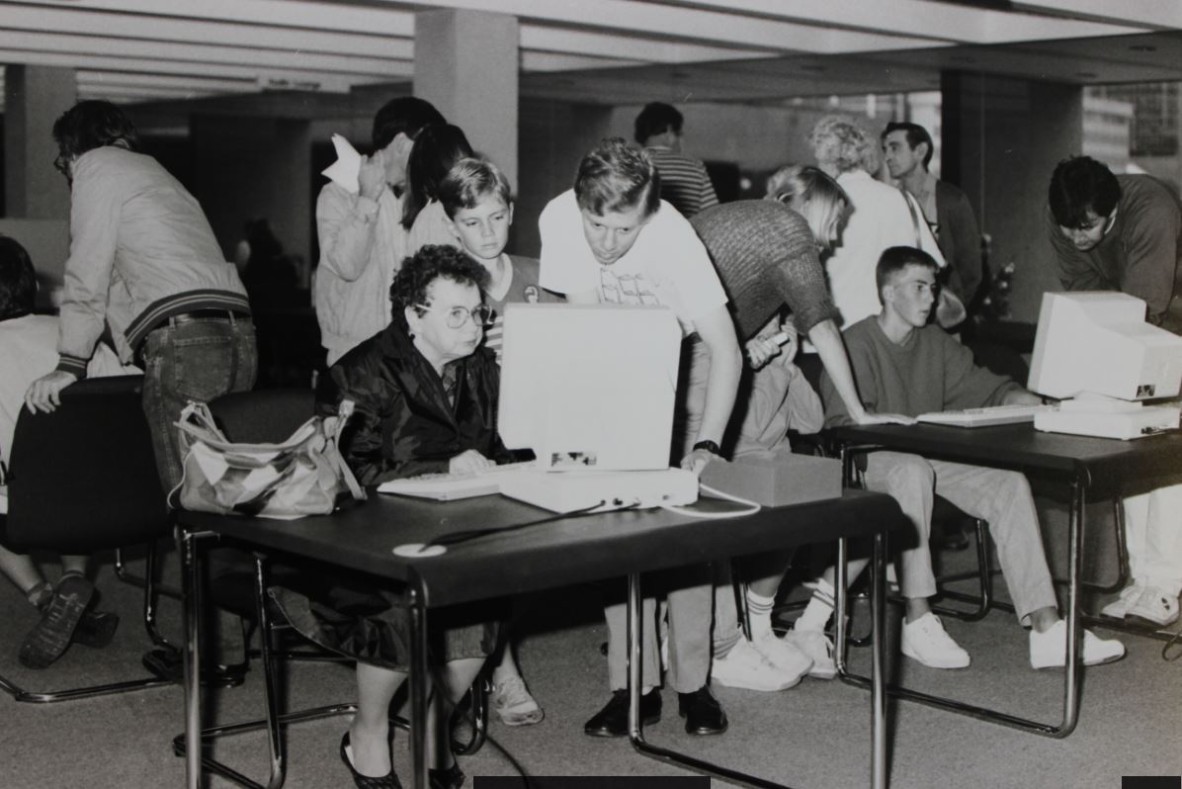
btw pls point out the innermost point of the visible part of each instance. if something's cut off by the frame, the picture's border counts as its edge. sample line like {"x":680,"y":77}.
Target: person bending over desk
{"x":904,"y":365}
{"x":767,"y":255}
{"x":425,"y":398}
{"x":1125,"y":233}
{"x":612,"y":239}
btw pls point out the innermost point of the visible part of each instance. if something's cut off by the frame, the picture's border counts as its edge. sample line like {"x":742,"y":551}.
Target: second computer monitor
{"x":1098,"y":343}
{"x":590,"y":386}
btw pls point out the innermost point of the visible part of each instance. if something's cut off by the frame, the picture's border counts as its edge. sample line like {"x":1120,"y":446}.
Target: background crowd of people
{"x":872,"y":277}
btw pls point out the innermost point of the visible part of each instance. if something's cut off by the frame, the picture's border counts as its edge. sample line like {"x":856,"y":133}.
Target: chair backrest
{"x":263,"y":415}
{"x":84,"y":477}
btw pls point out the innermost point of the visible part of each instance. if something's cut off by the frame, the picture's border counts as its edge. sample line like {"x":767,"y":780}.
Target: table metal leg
{"x":191,"y":573}
{"x":636,"y":734}
{"x":418,"y":684}
{"x":878,"y":730}
{"x":1071,"y":673}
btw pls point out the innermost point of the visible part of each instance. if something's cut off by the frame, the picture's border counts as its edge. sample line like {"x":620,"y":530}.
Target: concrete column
{"x":1002,"y":138}
{"x":466,"y":64}
{"x":34,"y":97}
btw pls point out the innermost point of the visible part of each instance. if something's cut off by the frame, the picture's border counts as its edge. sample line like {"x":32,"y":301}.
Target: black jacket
{"x":403,"y":424}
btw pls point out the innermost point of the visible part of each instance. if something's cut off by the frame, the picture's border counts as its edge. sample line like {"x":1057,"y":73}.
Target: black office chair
{"x":83,"y":479}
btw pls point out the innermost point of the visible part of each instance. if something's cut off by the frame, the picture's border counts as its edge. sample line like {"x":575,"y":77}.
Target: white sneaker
{"x":1049,"y":649}
{"x":783,"y":655}
{"x":745,"y":667}
{"x":818,"y":647}
{"x":925,"y":640}
{"x":1155,"y":606}
{"x":1119,"y":608}
{"x":513,"y":704}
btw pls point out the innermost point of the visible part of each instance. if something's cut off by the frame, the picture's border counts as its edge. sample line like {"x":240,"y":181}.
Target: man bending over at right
{"x":906,"y":366}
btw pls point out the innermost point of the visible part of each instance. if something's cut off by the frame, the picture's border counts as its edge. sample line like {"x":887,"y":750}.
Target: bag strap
{"x":332,"y":434}
{"x":910,"y":201}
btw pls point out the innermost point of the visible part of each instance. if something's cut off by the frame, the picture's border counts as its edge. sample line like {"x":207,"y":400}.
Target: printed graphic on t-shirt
{"x":631,"y":289}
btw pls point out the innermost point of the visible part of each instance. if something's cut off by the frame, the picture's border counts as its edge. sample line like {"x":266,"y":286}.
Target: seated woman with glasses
{"x":425,"y":396}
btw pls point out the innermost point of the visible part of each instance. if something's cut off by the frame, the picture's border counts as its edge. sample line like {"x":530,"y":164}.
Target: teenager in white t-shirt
{"x":611,"y":239}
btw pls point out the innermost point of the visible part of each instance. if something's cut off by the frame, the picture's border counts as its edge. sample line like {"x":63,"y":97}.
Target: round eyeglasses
{"x":455,"y":317}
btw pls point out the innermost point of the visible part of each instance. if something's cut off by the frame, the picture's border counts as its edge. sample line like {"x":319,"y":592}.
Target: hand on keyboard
{"x":886,"y":419}
{"x":468,"y":462}
{"x":984,"y":417}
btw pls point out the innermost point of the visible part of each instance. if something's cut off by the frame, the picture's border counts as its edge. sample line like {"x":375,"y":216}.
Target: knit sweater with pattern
{"x":766,"y":256}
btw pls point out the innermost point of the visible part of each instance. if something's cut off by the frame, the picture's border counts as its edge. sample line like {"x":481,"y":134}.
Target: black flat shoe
{"x":702,"y":712}
{"x":612,"y":720}
{"x":388,"y":781}
{"x":450,"y":778}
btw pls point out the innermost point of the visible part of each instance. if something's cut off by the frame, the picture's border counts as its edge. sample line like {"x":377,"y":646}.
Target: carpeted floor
{"x":816,"y":735}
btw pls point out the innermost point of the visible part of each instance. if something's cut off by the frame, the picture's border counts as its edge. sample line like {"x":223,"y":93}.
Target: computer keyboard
{"x":452,"y":487}
{"x":983,"y":417}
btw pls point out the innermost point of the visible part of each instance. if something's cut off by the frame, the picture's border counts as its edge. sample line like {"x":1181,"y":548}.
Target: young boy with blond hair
{"x":475,"y":196}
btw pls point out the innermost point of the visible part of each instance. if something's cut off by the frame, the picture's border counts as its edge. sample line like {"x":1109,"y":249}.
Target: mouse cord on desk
{"x":455,"y":538}
{"x":750,"y":507}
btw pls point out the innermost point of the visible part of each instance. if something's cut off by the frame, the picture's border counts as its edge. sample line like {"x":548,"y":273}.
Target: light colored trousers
{"x":691,"y":593}
{"x":1153,"y":534}
{"x":1002,"y":498}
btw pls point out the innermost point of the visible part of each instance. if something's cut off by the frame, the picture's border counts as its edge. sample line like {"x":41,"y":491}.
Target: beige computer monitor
{"x":1098,"y":343}
{"x":590,"y":386}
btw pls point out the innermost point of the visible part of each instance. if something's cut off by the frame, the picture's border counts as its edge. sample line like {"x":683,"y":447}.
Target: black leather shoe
{"x":612,"y":720}
{"x":702,"y":712}
{"x":388,"y":781}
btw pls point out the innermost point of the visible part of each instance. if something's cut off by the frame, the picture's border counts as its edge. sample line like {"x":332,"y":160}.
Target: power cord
{"x":750,"y":507}
{"x":455,"y":538}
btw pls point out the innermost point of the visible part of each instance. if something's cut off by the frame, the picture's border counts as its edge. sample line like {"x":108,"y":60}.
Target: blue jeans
{"x":198,"y":359}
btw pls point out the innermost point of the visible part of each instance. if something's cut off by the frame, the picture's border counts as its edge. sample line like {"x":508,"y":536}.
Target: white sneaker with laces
{"x":1119,"y":608}
{"x":745,"y":667}
{"x":1155,"y":606}
{"x":818,"y":647}
{"x":513,"y":704}
{"x":782,"y":654}
{"x":1049,"y":649}
{"x":926,"y":641}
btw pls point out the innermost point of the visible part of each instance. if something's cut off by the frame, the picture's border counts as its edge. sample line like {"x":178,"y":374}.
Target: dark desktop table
{"x":559,"y":553}
{"x":1096,"y":468}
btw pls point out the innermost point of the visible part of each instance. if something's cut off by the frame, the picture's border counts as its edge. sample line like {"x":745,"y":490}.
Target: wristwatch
{"x":710,"y":446}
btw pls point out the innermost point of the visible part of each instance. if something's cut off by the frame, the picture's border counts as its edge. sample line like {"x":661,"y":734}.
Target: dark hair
{"x":431,"y":262}
{"x":92,"y":124}
{"x":436,"y":149}
{"x":403,"y":115}
{"x":1080,"y":184}
{"x":469,"y":180}
{"x":915,"y":134}
{"x":18,"y":281}
{"x":895,"y":259}
{"x":617,"y":176}
{"x":657,"y":118}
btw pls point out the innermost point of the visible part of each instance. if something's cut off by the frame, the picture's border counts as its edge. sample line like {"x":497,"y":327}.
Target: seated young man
{"x":28,"y":350}
{"x":906,"y":366}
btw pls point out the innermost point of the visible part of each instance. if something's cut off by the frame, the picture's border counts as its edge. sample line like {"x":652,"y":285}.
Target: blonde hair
{"x":841,"y":145}
{"x":807,"y":183}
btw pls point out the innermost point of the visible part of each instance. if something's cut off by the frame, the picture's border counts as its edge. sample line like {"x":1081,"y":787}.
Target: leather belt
{"x":205,"y":315}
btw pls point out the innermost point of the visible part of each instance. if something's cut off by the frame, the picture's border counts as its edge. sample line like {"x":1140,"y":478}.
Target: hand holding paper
{"x":347,"y":167}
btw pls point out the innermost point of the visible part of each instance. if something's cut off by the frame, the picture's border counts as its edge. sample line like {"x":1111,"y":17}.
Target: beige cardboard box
{"x":776,"y":479}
